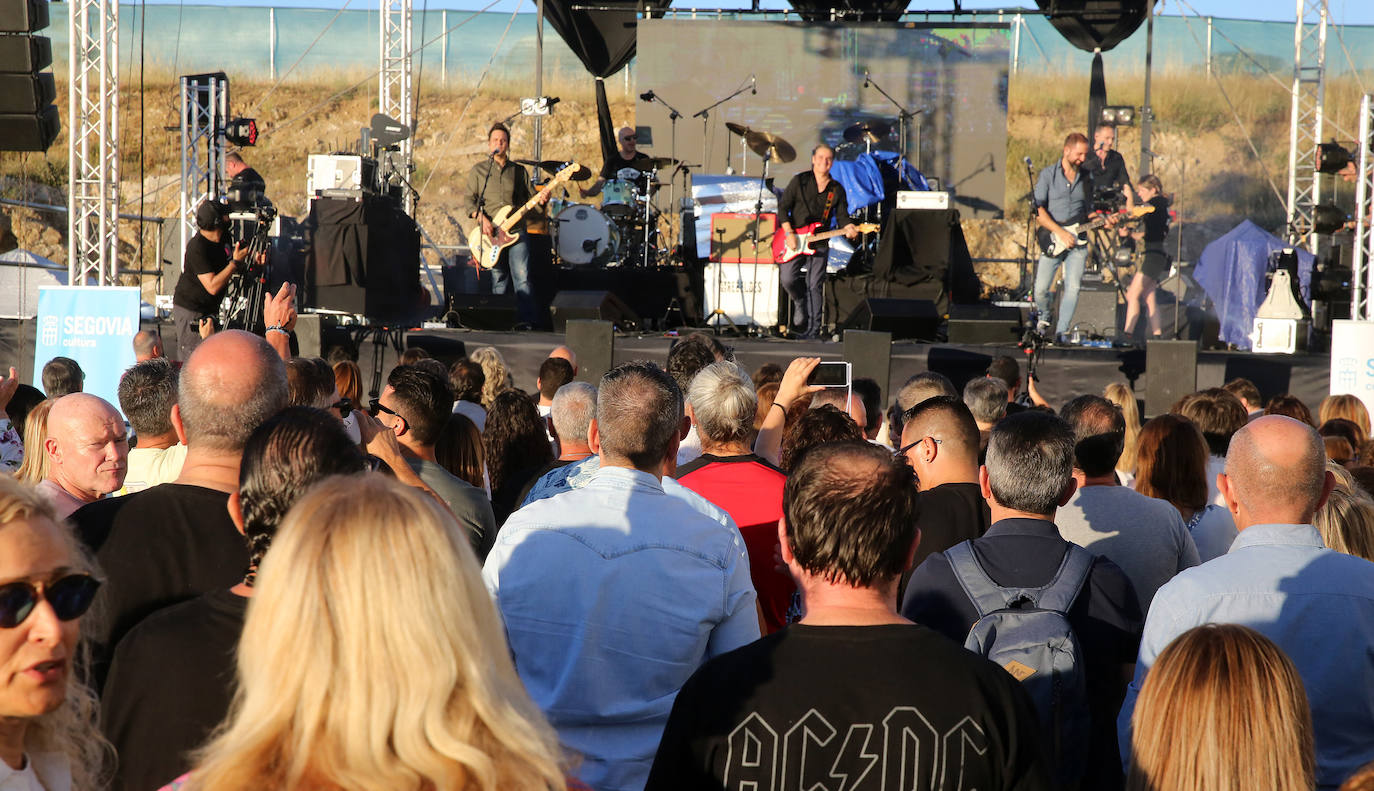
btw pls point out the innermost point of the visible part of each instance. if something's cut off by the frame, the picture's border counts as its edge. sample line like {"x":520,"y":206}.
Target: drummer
{"x":626,"y":157}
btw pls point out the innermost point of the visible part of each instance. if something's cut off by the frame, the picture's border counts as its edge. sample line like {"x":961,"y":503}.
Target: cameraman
{"x":1106,"y":168}
{"x":206,"y":270}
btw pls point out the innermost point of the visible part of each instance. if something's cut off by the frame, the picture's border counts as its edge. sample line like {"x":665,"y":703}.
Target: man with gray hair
{"x":1279,"y":579}
{"x":173,"y":542}
{"x":722,"y":406}
{"x":571,"y":415}
{"x":1027,"y":477}
{"x":614,"y":593}
{"x":914,"y":390}
{"x":986,"y":398}
{"x":147,"y":393}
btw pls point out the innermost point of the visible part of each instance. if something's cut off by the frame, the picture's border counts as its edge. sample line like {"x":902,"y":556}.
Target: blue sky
{"x":1348,"y":12}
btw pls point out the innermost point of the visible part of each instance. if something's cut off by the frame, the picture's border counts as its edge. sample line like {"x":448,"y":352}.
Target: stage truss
{"x":1305,"y":121}
{"x":394,"y":87}
{"x":93,"y":144}
{"x":1362,"y":273}
{"x":204,"y":109}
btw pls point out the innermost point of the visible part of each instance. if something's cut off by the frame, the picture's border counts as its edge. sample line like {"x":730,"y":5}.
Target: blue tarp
{"x":862,"y":178}
{"x":1231,"y":270}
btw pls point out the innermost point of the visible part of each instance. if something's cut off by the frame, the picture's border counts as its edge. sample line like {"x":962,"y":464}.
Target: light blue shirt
{"x":1315,"y":603}
{"x":580,"y":473}
{"x":613,"y":595}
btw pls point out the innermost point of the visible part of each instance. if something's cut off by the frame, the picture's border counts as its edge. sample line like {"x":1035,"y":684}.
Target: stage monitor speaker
{"x":593,"y":341}
{"x":903,"y":318}
{"x":733,"y":241}
{"x":870,"y":355}
{"x":974,"y":324}
{"x":603,"y":305}
{"x":1095,"y":313}
{"x":483,"y":311}
{"x":445,"y":349}
{"x":316,"y":333}
{"x":1170,"y":374}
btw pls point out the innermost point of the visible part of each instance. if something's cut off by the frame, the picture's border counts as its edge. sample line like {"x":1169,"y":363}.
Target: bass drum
{"x":585,"y":236}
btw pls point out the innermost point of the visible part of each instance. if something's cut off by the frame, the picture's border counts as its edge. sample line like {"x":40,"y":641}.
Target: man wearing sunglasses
{"x":627,"y":157}
{"x":88,"y":452}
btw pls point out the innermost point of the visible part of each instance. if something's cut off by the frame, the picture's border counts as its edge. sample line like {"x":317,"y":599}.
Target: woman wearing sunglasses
{"x":48,"y":735}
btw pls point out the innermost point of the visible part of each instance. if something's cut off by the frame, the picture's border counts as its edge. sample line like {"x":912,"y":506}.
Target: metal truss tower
{"x":204,"y":109}
{"x":1362,"y":273}
{"x":1305,"y":122}
{"x":93,"y":143}
{"x":394,"y":89}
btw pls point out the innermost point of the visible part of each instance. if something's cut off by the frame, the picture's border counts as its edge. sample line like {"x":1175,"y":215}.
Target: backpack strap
{"x":1068,"y":581}
{"x":987,"y":596}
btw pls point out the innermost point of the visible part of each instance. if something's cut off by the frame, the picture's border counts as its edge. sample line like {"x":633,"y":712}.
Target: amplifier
{"x":922,"y":199}
{"x":339,"y":176}
{"x":732,"y":240}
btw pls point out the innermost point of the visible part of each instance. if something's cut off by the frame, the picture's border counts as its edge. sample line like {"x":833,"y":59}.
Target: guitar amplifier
{"x":732,"y":240}
{"x":339,"y":176}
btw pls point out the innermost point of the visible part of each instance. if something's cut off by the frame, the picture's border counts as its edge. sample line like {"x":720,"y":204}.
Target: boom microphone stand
{"x":673,"y":116}
{"x":705,"y":112}
{"x":903,"y":115}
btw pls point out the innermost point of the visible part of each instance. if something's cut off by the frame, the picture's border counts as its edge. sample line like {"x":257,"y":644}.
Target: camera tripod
{"x":243,"y":297}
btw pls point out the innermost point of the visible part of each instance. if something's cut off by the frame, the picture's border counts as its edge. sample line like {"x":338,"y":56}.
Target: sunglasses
{"x":345,"y":407}
{"x":376,"y":407}
{"x":629,"y":139}
{"x":902,"y":450}
{"x":70,"y":597}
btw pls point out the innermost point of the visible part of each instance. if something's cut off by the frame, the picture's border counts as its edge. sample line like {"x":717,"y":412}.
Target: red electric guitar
{"x":806,"y":236}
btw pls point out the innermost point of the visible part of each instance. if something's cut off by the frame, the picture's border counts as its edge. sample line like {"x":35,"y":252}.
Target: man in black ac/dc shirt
{"x":205,"y":272}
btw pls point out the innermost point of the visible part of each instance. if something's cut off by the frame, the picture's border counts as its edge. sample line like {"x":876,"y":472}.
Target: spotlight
{"x":1332,"y":157}
{"x":1118,"y":115}
{"x":241,"y":131}
{"x":1328,"y":219}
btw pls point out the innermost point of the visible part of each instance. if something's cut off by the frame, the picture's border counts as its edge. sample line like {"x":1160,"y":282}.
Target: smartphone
{"x":830,"y":374}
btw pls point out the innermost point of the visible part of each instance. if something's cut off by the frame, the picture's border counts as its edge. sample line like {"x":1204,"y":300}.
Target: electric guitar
{"x":806,"y":236}
{"x":1054,"y":246}
{"x":487,"y":249}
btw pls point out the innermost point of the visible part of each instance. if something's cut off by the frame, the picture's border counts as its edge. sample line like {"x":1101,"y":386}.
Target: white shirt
{"x":41,"y":772}
{"x":474,"y":412}
{"x":152,"y":466}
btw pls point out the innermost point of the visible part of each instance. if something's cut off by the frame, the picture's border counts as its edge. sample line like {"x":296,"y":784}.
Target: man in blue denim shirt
{"x":1063,"y":195}
{"x":614,"y":593}
{"x":1316,"y":604}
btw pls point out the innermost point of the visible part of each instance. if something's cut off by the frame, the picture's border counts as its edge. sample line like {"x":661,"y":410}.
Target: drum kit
{"x":624,"y":230}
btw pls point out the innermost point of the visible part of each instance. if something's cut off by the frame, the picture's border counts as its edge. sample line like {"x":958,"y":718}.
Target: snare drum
{"x":586,"y":236}
{"x":618,"y":198}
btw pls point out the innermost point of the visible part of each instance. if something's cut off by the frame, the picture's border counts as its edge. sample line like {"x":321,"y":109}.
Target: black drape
{"x":604,"y":40}
{"x":1094,"y":24}
{"x":1097,"y":95}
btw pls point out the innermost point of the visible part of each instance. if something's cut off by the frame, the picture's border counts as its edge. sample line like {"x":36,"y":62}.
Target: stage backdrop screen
{"x":810,"y":82}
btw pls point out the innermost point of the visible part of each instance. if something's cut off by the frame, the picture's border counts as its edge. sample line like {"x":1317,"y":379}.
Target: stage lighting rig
{"x":1332,"y":157}
{"x":1118,"y":115}
{"x":241,"y":131}
{"x":1329,"y":219}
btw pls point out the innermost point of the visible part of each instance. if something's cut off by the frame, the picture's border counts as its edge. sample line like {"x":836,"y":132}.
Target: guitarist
{"x":1063,"y":196}
{"x":493,"y":183}
{"x":812,"y":196}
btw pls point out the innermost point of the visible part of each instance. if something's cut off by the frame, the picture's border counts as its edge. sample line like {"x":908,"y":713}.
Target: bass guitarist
{"x":493,"y":183}
{"x":811,"y":197}
{"x":1063,"y":196}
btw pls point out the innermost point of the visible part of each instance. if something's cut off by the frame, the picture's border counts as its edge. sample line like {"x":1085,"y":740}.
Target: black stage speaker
{"x":593,"y":342}
{"x":28,"y":117}
{"x":314,"y":334}
{"x":1170,"y":374}
{"x":444,"y":348}
{"x":903,"y":318}
{"x":483,"y":311}
{"x":364,"y":258}
{"x":976,"y":324}
{"x":603,"y":305}
{"x":1095,"y":314}
{"x":870,"y":355}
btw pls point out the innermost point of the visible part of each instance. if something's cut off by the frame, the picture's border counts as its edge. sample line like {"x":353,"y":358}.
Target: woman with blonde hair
{"x":49,"y":740}
{"x":1222,"y":708}
{"x":497,"y":374}
{"x":1347,"y":407}
{"x":1346,"y":521}
{"x":1121,"y":395}
{"x":35,"y":465}
{"x":372,"y":657}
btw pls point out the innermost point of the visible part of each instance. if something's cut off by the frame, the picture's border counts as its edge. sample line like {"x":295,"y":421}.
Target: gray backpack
{"x":1026,"y":631}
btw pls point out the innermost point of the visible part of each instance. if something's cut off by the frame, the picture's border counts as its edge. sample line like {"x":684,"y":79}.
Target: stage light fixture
{"x":241,"y":131}
{"x":1328,"y":219}
{"x":1332,"y":157}
{"x":1118,"y":115}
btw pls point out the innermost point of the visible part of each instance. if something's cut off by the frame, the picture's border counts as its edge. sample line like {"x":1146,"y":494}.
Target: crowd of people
{"x":686,"y":575}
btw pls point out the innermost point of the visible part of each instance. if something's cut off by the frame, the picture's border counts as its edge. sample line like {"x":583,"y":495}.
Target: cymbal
{"x":656,"y":163}
{"x":867,"y":132}
{"x":552,"y":166}
{"x":767,"y":144}
{"x":738,"y":129}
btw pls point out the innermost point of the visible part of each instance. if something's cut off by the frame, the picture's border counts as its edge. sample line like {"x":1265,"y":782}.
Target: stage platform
{"x":1064,"y":371}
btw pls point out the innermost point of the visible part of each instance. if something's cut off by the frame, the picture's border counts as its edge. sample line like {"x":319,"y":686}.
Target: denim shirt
{"x":1066,"y":201}
{"x":612,"y":595}
{"x":1315,"y":603}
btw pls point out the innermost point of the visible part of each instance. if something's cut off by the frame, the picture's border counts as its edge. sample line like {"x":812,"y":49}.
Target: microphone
{"x":753,"y":84}
{"x":549,"y":102}
{"x":1027,"y":160}
{"x":647,"y":96}
{"x":865,"y":78}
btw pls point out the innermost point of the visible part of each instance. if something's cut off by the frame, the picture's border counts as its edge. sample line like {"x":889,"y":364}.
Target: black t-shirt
{"x":1106,"y":618}
{"x":612,"y":167}
{"x":1156,"y":223}
{"x":1109,"y":171}
{"x":169,"y":686}
{"x":802,"y":204}
{"x":950,"y":514}
{"x":894,"y":706}
{"x":157,"y":547}
{"x":203,"y":257}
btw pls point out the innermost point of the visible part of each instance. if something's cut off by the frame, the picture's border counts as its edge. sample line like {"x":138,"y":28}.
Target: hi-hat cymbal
{"x":738,"y":129}
{"x":867,"y":132}
{"x":552,"y":166}
{"x":767,"y":144}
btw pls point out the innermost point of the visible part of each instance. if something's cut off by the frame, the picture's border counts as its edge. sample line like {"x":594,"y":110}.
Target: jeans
{"x":514,"y":264}
{"x":807,"y":300}
{"x":1073,"y":260}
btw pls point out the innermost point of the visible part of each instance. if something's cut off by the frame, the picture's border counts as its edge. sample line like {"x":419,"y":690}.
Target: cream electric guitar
{"x":1053,"y":245}
{"x":806,"y":236}
{"x":487,"y":249}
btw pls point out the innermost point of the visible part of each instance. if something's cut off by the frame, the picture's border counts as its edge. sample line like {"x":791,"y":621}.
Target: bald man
{"x":627,"y":157}
{"x":88,"y":452}
{"x":147,"y":346}
{"x":1278,"y":578}
{"x":565,"y":353}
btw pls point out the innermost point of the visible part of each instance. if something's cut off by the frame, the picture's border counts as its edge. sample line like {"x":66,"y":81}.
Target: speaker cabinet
{"x":902,"y":318}
{"x":593,"y":341}
{"x":870,"y":355}
{"x":975,"y":324}
{"x":598,"y":305}
{"x":1095,"y":313}
{"x":1170,"y":374}
{"x":733,"y":240}
{"x":483,"y":311}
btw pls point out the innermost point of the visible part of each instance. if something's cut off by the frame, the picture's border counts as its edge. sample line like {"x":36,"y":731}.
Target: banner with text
{"x":94,"y":325}
{"x":1352,"y":360}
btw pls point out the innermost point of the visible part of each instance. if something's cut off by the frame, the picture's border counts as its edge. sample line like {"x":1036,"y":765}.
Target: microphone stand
{"x":673,"y":116}
{"x":1030,"y":224}
{"x":903,"y":115}
{"x":704,"y":115}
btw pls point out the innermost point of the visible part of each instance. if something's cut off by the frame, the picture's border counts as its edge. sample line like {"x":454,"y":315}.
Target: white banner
{"x":1352,"y":360}
{"x":747,"y":292}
